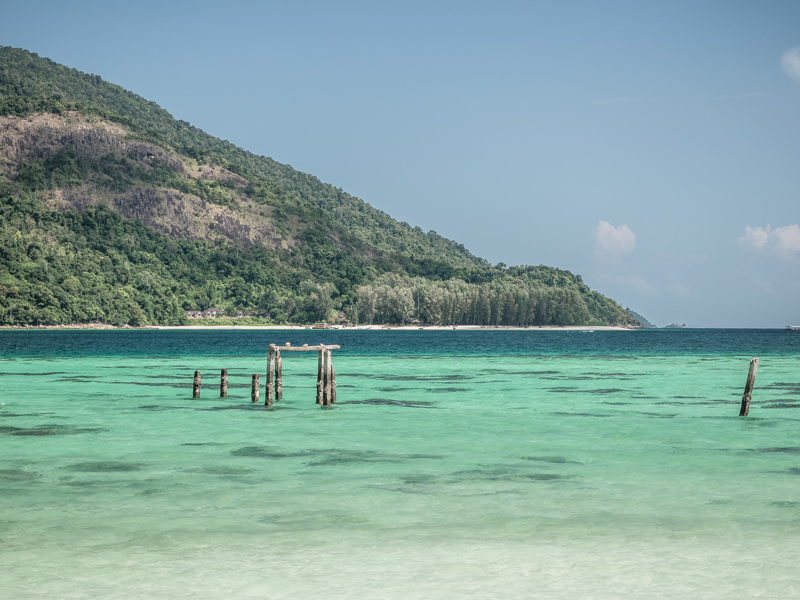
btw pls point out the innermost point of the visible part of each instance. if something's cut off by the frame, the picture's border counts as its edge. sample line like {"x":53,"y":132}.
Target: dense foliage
{"x":84,"y":262}
{"x":514,"y":301}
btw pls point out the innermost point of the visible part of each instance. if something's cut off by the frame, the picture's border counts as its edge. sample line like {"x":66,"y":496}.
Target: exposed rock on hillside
{"x":174,"y":212}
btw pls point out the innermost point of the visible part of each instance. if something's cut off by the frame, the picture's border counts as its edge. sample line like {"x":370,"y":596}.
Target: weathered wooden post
{"x":197,"y":382}
{"x":748,"y":388}
{"x":325,"y":374}
{"x":329,"y":378}
{"x":278,"y":376}
{"x":254,"y":388}
{"x":333,"y":383}
{"x":320,"y":360}
{"x":223,"y":383}
{"x":270,"y":383}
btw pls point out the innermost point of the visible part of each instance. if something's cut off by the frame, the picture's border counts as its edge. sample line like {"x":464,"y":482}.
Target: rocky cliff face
{"x":168,"y":207}
{"x":42,"y":135}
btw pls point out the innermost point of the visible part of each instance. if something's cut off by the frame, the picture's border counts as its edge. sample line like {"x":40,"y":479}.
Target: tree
{"x":318,"y":298}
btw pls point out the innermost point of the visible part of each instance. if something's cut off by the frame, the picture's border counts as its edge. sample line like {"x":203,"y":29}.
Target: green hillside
{"x":114,"y":211}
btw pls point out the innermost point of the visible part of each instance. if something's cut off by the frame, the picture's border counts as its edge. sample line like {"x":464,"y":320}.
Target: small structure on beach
{"x":209,"y":313}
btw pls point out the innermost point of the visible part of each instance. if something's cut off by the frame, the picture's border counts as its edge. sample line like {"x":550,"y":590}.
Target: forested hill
{"x":114,"y":211}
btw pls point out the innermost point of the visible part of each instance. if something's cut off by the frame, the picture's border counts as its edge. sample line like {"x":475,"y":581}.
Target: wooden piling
{"x":223,"y":383}
{"x":270,"y":383}
{"x":333,"y":384}
{"x":324,"y":379}
{"x":197,"y":383}
{"x":278,"y":376}
{"x":748,"y":388}
{"x":254,"y":388}
{"x":320,"y":387}
{"x":326,"y":367}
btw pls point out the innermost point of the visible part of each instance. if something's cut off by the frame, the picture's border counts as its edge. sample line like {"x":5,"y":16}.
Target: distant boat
{"x":793,"y":328}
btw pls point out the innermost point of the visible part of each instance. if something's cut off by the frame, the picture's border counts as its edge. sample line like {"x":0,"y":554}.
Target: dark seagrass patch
{"x":18,"y":475}
{"x":106,"y":466}
{"x":556,"y":460}
{"x":41,"y":430}
{"x":389,"y":402}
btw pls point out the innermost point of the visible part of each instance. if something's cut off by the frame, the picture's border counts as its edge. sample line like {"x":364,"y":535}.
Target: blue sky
{"x":651,"y":147}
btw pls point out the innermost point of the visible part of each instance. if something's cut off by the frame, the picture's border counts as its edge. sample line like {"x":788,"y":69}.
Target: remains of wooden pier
{"x":326,"y":375}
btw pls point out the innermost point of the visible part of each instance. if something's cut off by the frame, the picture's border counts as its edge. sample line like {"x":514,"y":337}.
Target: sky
{"x":651,"y":147}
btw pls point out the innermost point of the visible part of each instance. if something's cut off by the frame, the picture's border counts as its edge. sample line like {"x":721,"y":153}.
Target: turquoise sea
{"x":456,"y":464}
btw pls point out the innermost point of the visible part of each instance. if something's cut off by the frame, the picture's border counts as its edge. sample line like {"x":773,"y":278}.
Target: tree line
{"x":396,"y":298}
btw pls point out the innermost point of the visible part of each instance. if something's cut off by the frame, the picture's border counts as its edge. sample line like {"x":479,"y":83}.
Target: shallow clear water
{"x":485,"y":464}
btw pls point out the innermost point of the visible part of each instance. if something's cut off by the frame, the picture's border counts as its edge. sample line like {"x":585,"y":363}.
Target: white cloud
{"x":786,"y":240}
{"x":756,"y":238}
{"x":613,"y":241}
{"x":791,"y":63}
{"x":783,"y":241}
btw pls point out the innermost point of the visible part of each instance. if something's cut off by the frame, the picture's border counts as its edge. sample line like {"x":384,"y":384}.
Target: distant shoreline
{"x":99,"y":326}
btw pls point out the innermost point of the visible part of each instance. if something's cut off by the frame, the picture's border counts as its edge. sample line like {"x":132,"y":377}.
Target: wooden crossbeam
{"x":305,"y":348}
